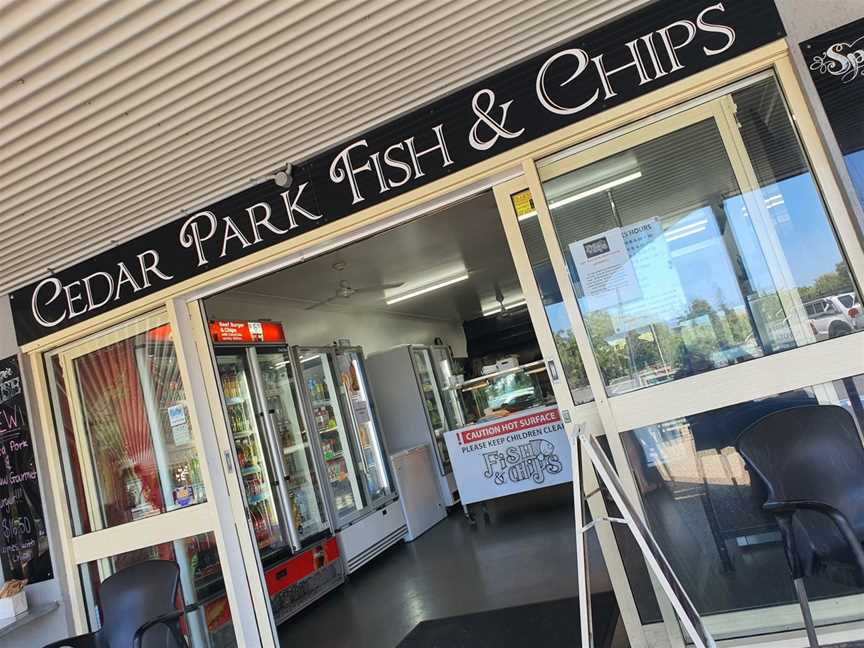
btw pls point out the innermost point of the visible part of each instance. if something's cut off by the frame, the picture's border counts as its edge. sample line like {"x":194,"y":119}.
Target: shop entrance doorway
{"x":345,"y":383}
{"x":678,"y":259}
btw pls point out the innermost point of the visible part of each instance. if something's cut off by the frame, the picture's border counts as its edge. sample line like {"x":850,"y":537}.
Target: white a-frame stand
{"x":581,"y":439}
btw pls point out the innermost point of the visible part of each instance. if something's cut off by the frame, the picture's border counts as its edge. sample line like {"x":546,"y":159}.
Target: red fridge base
{"x":301,"y":566}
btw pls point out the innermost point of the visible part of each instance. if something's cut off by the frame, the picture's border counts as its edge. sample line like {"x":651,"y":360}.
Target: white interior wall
{"x":55,"y":625}
{"x":372,"y":330}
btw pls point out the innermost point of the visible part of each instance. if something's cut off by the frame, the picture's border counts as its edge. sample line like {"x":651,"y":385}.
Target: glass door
{"x":128,"y":450}
{"x":364,"y":424}
{"x":435,"y":413}
{"x":443,"y":365}
{"x":323,"y":405}
{"x":282,"y":406}
{"x":251,"y":451}
{"x":678,"y":260}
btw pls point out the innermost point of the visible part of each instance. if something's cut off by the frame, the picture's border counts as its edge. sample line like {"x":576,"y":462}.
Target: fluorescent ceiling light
{"x":497,"y":309}
{"x":423,"y":291}
{"x":588,"y":192}
{"x":686,"y":230}
{"x":684,"y":234}
{"x":595,"y":190}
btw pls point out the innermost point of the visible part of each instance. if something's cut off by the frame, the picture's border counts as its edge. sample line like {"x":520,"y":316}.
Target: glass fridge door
{"x":282,"y":405}
{"x":352,"y":376}
{"x":443,"y":364}
{"x":432,"y":401}
{"x":323,"y":404}
{"x":251,"y":453}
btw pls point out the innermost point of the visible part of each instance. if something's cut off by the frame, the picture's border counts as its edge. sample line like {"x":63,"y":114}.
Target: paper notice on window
{"x":605,"y":270}
{"x":662,"y":296}
{"x":361,"y":411}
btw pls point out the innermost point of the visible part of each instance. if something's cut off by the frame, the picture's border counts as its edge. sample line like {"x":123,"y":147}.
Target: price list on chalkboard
{"x":23,"y":541}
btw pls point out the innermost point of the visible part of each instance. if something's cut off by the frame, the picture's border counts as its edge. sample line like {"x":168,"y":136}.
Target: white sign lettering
{"x":845,"y":60}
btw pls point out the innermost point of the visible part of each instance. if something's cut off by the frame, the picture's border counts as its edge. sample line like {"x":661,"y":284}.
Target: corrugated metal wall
{"x":117,"y":115}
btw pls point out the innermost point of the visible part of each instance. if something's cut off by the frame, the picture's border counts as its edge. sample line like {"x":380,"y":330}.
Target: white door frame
{"x":166,"y":527}
{"x":591,"y":415}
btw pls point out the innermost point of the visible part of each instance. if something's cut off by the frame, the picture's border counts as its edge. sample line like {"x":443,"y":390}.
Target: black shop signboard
{"x":23,"y":540}
{"x":836,"y":63}
{"x":643,"y":51}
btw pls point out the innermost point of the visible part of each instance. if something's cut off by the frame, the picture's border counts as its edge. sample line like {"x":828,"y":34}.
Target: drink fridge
{"x":418,"y":403}
{"x":340,"y":409}
{"x":276,"y":463}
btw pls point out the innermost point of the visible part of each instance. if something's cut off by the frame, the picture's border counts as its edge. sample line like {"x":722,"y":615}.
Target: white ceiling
{"x":117,"y":114}
{"x":464,"y":239}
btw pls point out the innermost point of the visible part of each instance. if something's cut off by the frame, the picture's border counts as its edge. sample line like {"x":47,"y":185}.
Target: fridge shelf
{"x":239,"y":400}
{"x":335,"y":428}
{"x":327,"y":402}
{"x":255,"y":499}
{"x":297,"y":447}
{"x":297,"y":485}
{"x":242,"y":435}
{"x":334,"y":456}
{"x":250,"y":470}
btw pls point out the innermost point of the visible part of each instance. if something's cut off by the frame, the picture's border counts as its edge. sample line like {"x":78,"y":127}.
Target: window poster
{"x":836,"y":63}
{"x":605,"y":270}
{"x":23,"y":539}
{"x":628,"y":271}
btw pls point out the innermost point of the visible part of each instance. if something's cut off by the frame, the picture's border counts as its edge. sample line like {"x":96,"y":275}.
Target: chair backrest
{"x":811,"y":452}
{"x":135,"y":595}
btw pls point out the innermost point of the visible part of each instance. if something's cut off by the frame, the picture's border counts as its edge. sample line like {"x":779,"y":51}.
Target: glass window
{"x":124,"y":430}
{"x":553,"y":302}
{"x":705,"y":508}
{"x":703,"y":247}
{"x":200,"y":582}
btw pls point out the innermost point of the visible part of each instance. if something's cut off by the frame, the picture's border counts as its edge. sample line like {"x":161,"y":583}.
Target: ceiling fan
{"x":345,"y":290}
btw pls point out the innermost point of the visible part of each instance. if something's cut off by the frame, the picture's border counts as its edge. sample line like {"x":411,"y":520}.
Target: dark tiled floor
{"x":526,"y":554}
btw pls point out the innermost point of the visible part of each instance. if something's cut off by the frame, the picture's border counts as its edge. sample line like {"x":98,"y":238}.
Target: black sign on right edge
{"x":836,"y":62}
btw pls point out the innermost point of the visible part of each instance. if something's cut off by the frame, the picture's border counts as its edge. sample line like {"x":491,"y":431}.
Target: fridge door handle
{"x":281,"y":465}
{"x":553,"y":370}
{"x":229,"y":462}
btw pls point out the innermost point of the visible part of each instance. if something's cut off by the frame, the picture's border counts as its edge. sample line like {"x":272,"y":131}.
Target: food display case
{"x":276,"y":462}
{"x":505,"y":392}
{"x":339,"y":407}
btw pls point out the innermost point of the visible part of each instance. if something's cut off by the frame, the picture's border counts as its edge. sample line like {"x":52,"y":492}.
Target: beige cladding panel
{"x":117,"y":115}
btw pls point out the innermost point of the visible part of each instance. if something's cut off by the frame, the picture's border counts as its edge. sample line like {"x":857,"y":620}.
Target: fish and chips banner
{"x":517,"y":453}
{"x":642,"y":51}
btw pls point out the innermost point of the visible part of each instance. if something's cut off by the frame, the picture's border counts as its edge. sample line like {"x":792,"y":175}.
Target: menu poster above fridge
{"x":836,"y":63}
{"x":247,"y":332}
{"x":23,"y":541}
{"x":517,"y":453}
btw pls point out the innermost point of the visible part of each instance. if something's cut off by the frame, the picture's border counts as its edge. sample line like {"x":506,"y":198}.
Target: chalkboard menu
{"x":23,"y":541}
{"x":836,"y":62}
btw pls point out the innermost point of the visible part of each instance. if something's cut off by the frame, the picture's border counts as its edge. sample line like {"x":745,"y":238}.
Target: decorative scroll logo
{"x":845,"y":60}
{"x":530,"y":460}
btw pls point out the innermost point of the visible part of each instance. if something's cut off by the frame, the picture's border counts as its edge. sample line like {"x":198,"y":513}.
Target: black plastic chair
{"x":138,"y":610}
{"x":811,"y":460}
